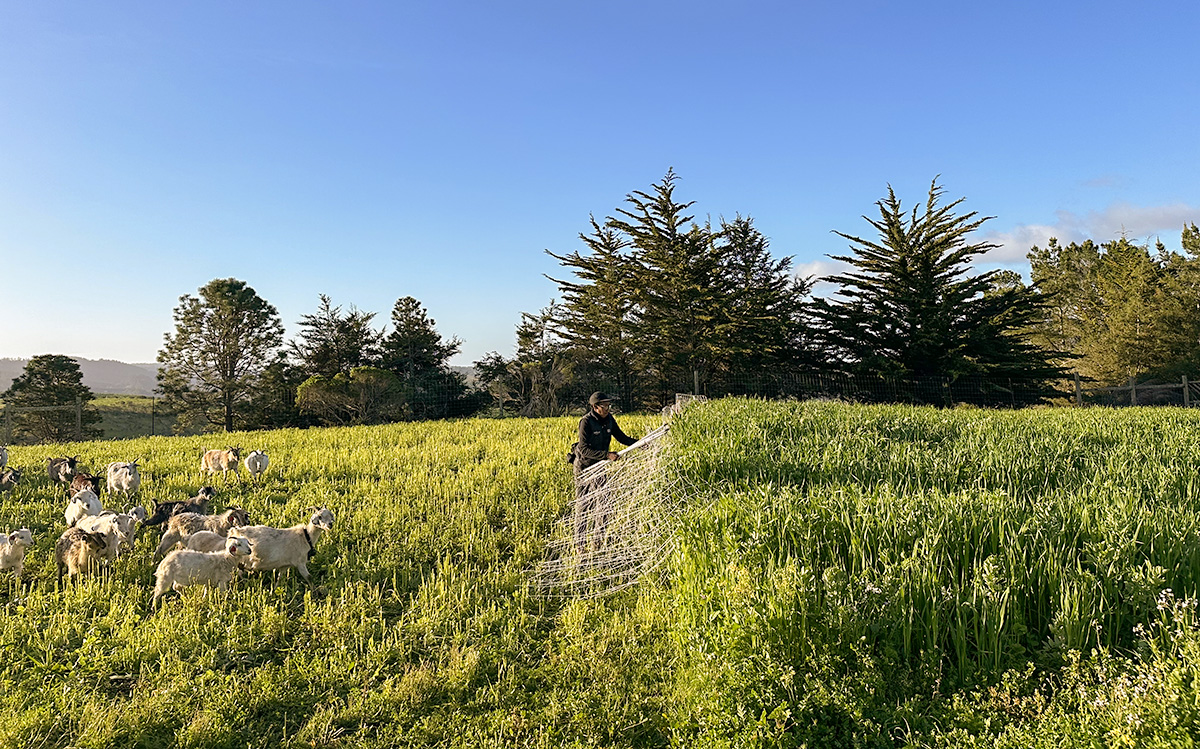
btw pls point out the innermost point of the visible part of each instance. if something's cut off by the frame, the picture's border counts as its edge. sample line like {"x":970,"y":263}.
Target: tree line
{"x":226,"y":364}
{"x":654,"y":301}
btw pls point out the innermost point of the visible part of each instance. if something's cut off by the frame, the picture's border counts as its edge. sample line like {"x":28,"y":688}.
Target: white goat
{"x":117,"y":528}
{"x":185,"y":567}
{"x":221,"y":460}
{"x":204,"y":541}
{"x":82,"y":504}
{"x":276,"y":548}
{"x":123,"y":477}
{"x":180,"y":526}
{"x":12,"y":551}
{"x":256,"y":463}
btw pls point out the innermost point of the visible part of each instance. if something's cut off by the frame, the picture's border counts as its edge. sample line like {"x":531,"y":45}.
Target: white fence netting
{"x":621,"y":522}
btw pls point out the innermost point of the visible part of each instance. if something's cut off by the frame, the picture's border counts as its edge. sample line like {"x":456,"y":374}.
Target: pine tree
{"x":53,"y":380}
{"x":224,"y":340}
{"x":414,"y":347}
{"x":763,"y":320}
{"x":416,"y":353}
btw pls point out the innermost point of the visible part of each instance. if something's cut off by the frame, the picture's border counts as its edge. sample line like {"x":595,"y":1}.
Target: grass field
{"x":128,"y":416}
{"x":842,"y":576}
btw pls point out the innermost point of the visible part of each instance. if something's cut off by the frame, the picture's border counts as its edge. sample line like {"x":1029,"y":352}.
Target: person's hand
{"x":613,"y":456}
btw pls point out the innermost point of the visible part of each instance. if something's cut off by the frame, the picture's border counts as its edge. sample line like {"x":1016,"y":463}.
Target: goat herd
{"x":214,"y":546}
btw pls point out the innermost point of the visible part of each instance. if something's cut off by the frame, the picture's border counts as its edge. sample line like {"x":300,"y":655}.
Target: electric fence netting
{"x":622,"y":521}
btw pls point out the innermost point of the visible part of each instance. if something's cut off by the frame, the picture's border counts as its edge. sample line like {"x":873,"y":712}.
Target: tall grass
{"x":841,"y":576}
{"x":845,"y":557}
{"x":418,"y":627}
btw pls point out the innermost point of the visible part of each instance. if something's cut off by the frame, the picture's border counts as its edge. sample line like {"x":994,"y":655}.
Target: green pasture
{"x":840,"y":576}
{"x":129,"y":416}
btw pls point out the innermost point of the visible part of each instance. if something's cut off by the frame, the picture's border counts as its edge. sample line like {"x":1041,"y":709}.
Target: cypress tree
{"x":910,"y":309}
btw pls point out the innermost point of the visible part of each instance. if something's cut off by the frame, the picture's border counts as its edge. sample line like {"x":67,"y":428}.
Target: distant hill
{"x":468,"y":372}
{"x":120,"y":378}
{"x":101,"y":375}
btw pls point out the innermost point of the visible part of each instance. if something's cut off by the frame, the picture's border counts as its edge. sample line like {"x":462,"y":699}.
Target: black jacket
{"x":595,"y":435}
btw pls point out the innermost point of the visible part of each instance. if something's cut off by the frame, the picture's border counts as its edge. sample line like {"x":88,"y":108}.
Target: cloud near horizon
{"x":1138,"y":223}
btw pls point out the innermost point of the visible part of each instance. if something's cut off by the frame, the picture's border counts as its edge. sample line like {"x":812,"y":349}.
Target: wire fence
{"x":620,"y":526}
{"x":990,"y":392}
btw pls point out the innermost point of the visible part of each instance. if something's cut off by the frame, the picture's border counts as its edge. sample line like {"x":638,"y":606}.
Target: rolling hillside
{"x":101,"y":375}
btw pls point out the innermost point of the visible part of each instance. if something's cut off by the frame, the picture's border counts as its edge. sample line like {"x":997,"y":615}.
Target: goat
{"x":221,"y":460}
{"x":180,"y":526}
{"x":78,"y":551}
{"x":256,"y":464}
{"x":9,"y":478}
{"x":118,"y":529}
{"x":61,"y":470}
{"x":276,"y":548}
{"x":185,"y":567}
{"x":84,"y":480}
{"x":123,"y":477}
{"x":84,"y":503}
{"x":12,"y":551}
{"x":197,"y":504}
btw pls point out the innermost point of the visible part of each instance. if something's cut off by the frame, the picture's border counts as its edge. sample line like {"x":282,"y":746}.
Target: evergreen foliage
{"x":414,"y":347}
{"x":909,"y":308}
{"x":224,"y":341}
{"x":333,"y":342}
{"x":52,"y":380}
{"x":656,"y":296}
{"x":1119,"y":308}
{"x":366,"y":395}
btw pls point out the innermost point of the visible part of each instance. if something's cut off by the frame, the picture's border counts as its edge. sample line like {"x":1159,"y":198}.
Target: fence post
{"x":7,"y":424}
{"x":1133,"y":391}
{"x":78,"y":418}
{"x":695,"y":382}
{"x":1078,"y":391}
{"x":1187,"y":394}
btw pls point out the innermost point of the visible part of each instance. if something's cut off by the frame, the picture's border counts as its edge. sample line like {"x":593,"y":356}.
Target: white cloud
{"x":818,"y":269}
{"x":1138,"y":223}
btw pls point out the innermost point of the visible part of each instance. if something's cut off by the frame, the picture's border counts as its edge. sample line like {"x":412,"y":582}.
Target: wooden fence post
{"x":78,"y":419}
{"x":1187,"y":393}
{"x":1078,"y":391}
{"x":1133,"y":391}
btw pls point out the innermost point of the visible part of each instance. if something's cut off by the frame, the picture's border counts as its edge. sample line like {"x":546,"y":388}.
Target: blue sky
{"x":372,"y":150}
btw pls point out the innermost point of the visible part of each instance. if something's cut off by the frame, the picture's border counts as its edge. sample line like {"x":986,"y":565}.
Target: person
{"x":597,"y":429}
